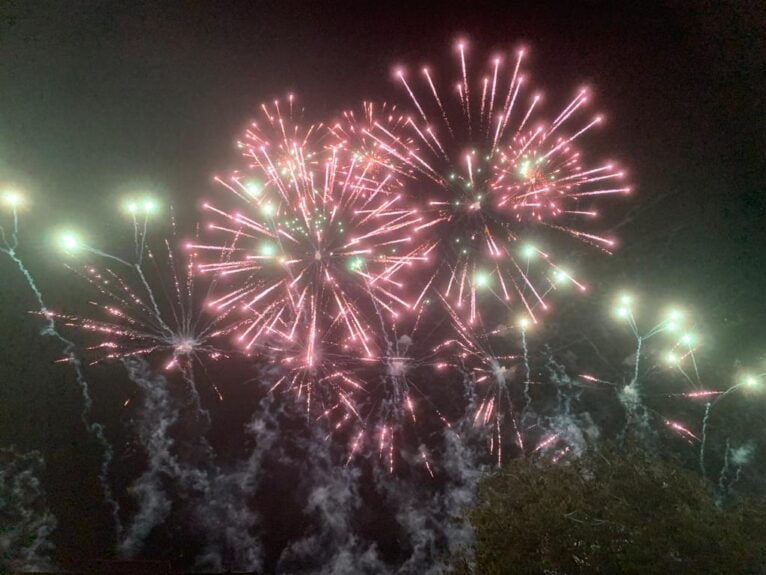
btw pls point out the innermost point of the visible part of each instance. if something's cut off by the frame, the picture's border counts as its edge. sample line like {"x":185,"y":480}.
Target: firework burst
{"x":321,"y":241}
{"x":400,"y":390}
{"x":495,"y":380}
{"x":149,"y":308}
{"x":490,"y":172}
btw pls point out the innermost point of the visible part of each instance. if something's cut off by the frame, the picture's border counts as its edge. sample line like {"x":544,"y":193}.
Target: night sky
{"x":101,"y":98}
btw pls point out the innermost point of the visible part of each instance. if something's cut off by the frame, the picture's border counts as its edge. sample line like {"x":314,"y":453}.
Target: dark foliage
{"x":614,"y":510}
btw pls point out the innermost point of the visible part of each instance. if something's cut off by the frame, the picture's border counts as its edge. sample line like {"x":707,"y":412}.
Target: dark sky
{"x":101,"y":98}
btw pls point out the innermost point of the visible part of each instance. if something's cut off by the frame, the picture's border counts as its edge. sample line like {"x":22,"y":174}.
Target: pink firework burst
{"x":321,"y":239}
{"x":493,"y":174}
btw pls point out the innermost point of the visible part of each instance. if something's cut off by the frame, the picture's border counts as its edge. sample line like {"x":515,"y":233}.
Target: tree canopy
{"x":613,"y":510}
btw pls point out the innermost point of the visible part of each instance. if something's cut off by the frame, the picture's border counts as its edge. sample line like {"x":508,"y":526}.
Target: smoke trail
{"x":216,"y":498}
{"x":26,"y":521}
{"x":738,"y":457}
{"x":577,"y":430}
{"x":156,"y":416}
{"x":433,"y":518}
{"x":636,"y":414}
{"x":333,"y":498}
{"x":96,"y":429}
{"x":224,"y":514}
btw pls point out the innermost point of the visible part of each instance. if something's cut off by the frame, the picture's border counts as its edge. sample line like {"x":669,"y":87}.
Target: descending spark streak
{"x":681,"y":429}
{"x":489,"y":186}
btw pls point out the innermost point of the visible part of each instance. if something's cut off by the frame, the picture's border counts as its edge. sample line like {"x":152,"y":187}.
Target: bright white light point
{"x":267,"y":250}
{"x":675,"y":315}
{"x":687,"y":339}
{"x":12,"y":199}
{"x":560,"y":276}
{"x":253,"y":188}
{"x":481,"y":279}
{"x":149,"y":205}
{"x":672,"y":358}
{"x":69,"y":241}
{"x":750,"y":380}
{"x":626,"y":299}
{"x":622,"y":312}
{"x":397,"y":367}
{"x":184,"y":345}
{"x":524,"y":322}
{"x":268,"y":209}
{"x":528,"y":251}
{"x":132,"y":207}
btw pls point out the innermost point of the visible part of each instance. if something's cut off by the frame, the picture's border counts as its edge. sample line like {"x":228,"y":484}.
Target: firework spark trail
{"x":9,"y":248}
{"x":395,"y":393}
{"x":682,"y":349}
{"x":747,"y":381}
{"x":737,"y":457}
{"x":431,"y":518}
{"x":224,"y":512}
{"x":528,"y":378}
{"x":491,"y":178}
{"x":473,"y":354}
{"x":139,"y":323}
{"x":630,"y":395}
{"x":217,"y":494}
{"x":576,"y":430}
{"x":332,"y":499}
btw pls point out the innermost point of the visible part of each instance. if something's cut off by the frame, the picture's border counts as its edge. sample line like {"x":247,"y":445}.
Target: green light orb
{"x":481,"y":279}
{"x":675,"y":315}
{"x":268,"y":209}
{"x":267,"y":249}
{"x":253,"y":188}
{"x":622,"y":312}
{"x":561,"y":277}
{"x":529,"y":251}
{"x":69,"y":241}
{"x":750,"y":380}
{"x":688,"y":339}
{"x":149,"y":205}
{"x":356,"y":263}
{"x":672,"y":358}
